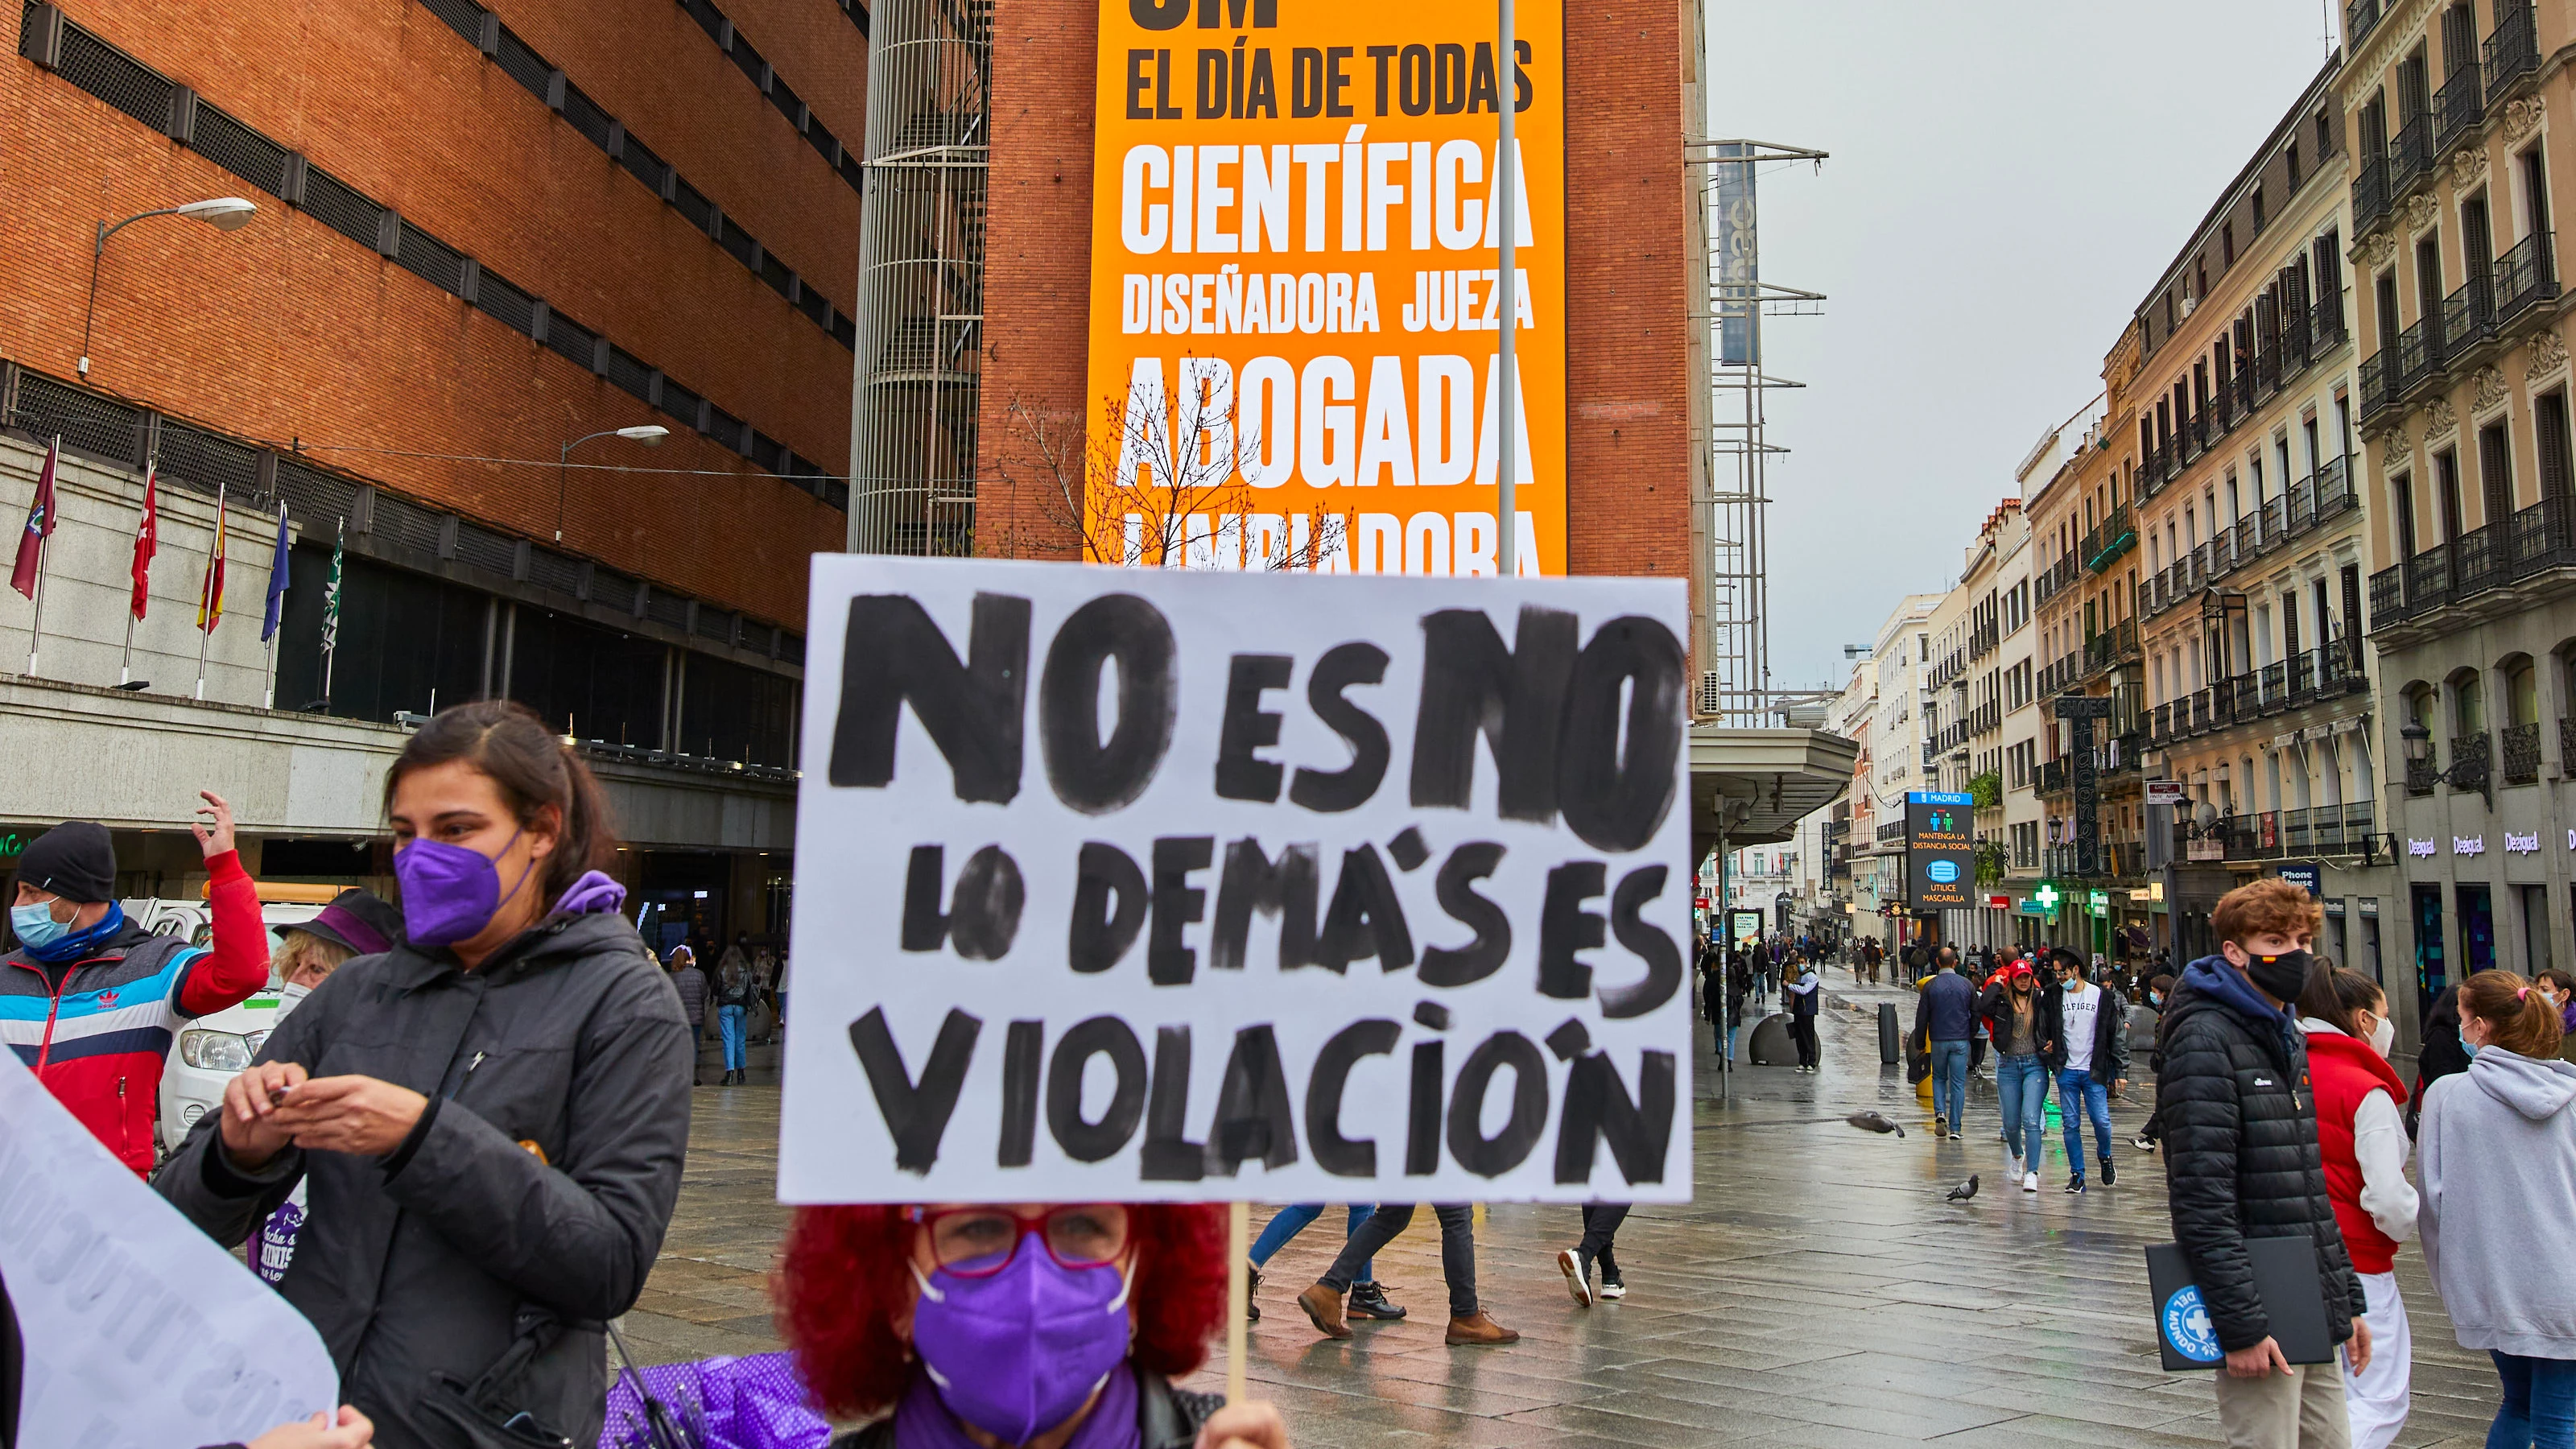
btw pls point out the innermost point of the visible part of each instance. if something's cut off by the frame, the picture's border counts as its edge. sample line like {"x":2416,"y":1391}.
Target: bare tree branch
{"x":1158,"y":481}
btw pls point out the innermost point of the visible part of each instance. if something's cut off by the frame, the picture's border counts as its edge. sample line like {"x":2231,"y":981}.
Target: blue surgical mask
{"x":2473,"y":1049}
{"x":36,"y":926}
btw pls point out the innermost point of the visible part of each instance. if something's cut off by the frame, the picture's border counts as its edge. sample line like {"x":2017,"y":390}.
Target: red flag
{"x":147,"y":540}
{"x":210,"y":593}
{"x":40,"y":526}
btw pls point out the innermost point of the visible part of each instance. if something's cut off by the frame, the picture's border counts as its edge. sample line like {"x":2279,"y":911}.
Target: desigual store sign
{"x":2426,"y":848}
{"x":1294,"y":291}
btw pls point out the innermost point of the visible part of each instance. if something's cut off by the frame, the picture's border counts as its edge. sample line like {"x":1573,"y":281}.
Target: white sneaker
{"x":2030,"y":1182}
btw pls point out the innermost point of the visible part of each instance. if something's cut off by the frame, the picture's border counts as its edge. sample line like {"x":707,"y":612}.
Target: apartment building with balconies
{"x":2463,"y":413}
{"x":2254,"y":540}
{"x":1900,"y":756}
{"x":2084,"y":568}
{"x":1994,"y":593}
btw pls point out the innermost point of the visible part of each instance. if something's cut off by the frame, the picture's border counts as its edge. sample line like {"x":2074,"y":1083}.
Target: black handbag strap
{"x":537,"y":1330}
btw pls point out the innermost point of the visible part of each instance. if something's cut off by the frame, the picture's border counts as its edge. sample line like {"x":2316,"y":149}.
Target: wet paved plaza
{"x":1818,"y":1292}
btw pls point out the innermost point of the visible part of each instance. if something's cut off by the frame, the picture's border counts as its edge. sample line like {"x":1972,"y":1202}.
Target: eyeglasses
{"x":977,"y":1242}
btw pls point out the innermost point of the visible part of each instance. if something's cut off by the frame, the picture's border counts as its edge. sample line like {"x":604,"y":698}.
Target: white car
{"x":212,"y":1049}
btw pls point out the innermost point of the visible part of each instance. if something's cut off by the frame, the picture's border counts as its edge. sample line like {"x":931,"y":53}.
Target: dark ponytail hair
{"x":2336,"y":995}
{"x":532,"y":767}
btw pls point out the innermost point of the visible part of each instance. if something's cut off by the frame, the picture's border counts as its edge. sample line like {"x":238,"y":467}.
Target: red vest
{"x":2342,"y":1071}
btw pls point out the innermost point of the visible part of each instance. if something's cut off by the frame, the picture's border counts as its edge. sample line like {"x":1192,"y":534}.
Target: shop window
{"x":586,"y":681}
{"x":2477,"y":929}
{"x":2430,"y":976}
{"x":407,"y":642}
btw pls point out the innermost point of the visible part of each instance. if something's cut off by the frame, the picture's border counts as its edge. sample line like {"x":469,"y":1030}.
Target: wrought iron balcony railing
{"x":2512,"y":49}
{"x":2522,"y":753}
{"x":2459,"y":105}
{"x":2525,"y":277}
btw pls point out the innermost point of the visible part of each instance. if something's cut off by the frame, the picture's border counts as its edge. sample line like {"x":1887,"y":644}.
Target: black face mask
{"x":2280,"y":977}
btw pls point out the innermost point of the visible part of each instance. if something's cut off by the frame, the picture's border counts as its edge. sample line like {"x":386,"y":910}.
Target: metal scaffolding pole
{"x":921,"y":278}
{"x":1735,"y":682}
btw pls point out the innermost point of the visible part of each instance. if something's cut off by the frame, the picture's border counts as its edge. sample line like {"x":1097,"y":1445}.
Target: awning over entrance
{"x":1756,"y":785}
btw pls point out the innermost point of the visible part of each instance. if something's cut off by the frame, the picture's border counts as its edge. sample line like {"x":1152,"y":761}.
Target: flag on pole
{"x":40,"y":526}
{"x":276,"y":581}
{"x":331,"y":596}
{"x":147,"y":539}
{"x":210,"y":593}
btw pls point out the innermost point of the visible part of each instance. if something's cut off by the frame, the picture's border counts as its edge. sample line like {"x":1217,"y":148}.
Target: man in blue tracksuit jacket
{"x":1945,"y":1013}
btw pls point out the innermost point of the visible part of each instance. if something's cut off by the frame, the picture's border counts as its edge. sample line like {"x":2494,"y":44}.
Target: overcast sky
{"x":2009,"y":177}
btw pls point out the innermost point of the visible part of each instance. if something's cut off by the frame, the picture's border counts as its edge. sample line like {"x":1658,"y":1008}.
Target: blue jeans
{"x":1291,"y":1221}
{"x":2539,"y":1403}
{"x":1950,"y":1082}
{"x":2074,"y":1087}
{"x":729,"y":1021}
{"x":2022,"y":1083}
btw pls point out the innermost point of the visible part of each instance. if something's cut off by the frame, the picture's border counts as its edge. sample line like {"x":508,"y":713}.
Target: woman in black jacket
{"x":490,"y":1117}
{"x":2442,"y":1054}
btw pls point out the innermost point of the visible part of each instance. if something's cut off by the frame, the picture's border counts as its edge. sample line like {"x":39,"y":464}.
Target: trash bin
{"x":1891,"y":1041}
{"x":1770,"y":1045}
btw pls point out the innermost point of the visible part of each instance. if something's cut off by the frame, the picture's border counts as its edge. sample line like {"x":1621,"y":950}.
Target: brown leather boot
{"x":1324,"y":1309}
{"x":1479,"y":1329}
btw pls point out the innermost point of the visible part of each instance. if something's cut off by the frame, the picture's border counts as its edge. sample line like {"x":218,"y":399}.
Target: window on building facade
{"x":2459,"y":38}
{"x":2428,"y":275}
{"x":2495,"y":473}
{"x":2401,"y":512}
{"x":2468,"y":705}
{"x":2535,"y":191}
{"x":2446,"y":491}
{"x":2549,"y":430}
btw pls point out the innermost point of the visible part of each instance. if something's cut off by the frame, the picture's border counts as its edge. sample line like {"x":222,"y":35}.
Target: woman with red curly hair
{"x":1014,"y":1325}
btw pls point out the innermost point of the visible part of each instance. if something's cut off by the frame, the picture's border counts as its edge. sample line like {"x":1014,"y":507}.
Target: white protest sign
{"x":140,"y":1332}
{"x":1161,"y":885}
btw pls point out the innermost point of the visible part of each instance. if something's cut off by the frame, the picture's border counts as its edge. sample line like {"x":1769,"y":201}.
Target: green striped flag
{"x":331,"y":607}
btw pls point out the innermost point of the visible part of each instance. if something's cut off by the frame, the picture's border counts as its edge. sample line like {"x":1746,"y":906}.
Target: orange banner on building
{"x":1294,"y":295}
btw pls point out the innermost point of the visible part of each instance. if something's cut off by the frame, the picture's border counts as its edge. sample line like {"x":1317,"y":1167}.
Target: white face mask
{"x":2383,"y":1036}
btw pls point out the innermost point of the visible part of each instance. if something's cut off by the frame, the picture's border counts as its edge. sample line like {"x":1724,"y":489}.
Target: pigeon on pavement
{"x":1965,"y":1190}
{"x":1873,"y":1122}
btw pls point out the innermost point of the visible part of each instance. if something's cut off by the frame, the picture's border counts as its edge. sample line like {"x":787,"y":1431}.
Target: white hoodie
{"x":2497,"y":1154}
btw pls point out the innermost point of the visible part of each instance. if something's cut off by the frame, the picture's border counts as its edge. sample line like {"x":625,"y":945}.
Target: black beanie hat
{"x":75,"y":860}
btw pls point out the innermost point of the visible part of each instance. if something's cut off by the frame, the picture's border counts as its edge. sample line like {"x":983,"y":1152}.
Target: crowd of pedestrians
{"x":459,"y":1147}
{"x":2279,"y":1114}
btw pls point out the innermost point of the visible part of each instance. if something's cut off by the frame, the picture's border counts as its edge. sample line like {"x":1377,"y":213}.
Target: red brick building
{"x":485,"y":228}
{"x":428,"y":174}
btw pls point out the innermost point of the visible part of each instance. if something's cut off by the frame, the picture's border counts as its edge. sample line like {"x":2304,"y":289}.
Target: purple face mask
{"x":449,"y":892}
{"x":1017,"y":1353}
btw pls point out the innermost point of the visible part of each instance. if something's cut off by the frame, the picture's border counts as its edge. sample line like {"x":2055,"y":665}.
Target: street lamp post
{"x":2467,"y":772}
{"x":649,"y":434}
{"x":223,"y":213}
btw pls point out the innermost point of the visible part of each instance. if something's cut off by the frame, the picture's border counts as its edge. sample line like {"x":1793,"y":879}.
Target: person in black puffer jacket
{"x":2242,"y":1161}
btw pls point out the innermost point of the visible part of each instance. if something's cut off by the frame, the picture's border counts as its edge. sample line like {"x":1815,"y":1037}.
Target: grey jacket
{"x":2496,"y":1152}
{"x":568,"y":1043}
{"x":691,"y":983}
